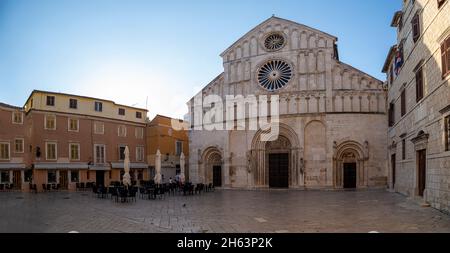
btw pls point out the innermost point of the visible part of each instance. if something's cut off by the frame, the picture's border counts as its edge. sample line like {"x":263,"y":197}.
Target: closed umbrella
{"x":182,"y":164}
{"x":126,"y":165}
{"x":158,"y":168}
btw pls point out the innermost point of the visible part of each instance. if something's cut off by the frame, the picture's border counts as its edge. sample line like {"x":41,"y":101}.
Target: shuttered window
{"x":419,"y":84}
{"x":403,"y":101}
{"x":416,"y":27}
{"x":445,"y":53}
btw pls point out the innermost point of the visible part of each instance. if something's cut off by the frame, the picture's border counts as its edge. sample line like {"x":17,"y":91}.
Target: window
{"x":400,"y":23}
{"x":99,"y":154}
{"x":447,"y":133}
{"x":404,"y":149}
{"x":4,"y":150}
{"x":74,"y":176}
{"x":391,"y":114}
{"x":74,"y":151}
{"x":18,"y":145}
{"x":17,"y":118}
{"x":419,"y":84}
{"x":73,"y":125}
{"x":440,"y":3}
{"x":98,"y":106}
{"x":121,"y":111}
{"x":99,"y":127}
{"x":403,"y":102}
{"x":51,"y":100}
{"x":416,"y":27}
{"x":73,"y":103}
{"x":4,"y":177}
{"x":445,"y":52}
{"x":121,"y":153}
{"x":178,"y":147}
{"x":122,"y":131}
{"x":51,"y":150}
{"x":391,"y":75}
{"x":139,"y":132}
{"x":28,"y":175}
{"x":139,"y":115}
{"x":51,"y":177}
{"x":50,"y":122}
{"x":140,"y":154}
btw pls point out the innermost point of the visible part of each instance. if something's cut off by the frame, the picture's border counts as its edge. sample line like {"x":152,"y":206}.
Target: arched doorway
{"x":349,"y":167}
{"x":276,"y":163}
{"x":213,"y":164}
{"x":278,"y":159}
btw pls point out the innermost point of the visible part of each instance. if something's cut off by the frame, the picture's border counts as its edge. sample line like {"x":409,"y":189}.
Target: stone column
{"x":10,"y":176}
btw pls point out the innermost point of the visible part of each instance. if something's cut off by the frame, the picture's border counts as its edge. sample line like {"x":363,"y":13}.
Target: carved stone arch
{"x":211,"y":156}
{"x":350,"y":152}
{"x":260,"y":150}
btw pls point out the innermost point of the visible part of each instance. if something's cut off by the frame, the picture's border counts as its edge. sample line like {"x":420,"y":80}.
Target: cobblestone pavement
{"x":225,"y":211}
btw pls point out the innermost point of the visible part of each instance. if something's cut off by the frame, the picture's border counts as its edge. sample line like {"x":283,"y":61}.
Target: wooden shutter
{"x":415,"y":27}
{"x":403,"y":101}
{"x":419,"y":85}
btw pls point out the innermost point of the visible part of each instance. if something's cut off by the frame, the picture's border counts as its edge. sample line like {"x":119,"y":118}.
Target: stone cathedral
{"x":332,"y":131}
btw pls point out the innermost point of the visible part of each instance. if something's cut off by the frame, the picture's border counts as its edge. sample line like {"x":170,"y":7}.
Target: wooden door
{"x":217,"y":176}
{"x":17,"y":179}
{"x":349,"y":175}
{"x":422,"y":167}
{"x":279,"y":170}
{"x":63,"y":181}
{"x":393,"y":161}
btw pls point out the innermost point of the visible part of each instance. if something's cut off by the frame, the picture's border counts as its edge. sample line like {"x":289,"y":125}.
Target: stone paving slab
{"x":222,"y":211}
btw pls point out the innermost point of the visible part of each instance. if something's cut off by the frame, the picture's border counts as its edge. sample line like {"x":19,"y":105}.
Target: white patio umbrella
{"x":158,"y":168}
{"x":182,"y":164}
{"x":126,"y":165}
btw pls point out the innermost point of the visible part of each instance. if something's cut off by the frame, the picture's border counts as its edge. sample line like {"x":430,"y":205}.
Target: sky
{"x":159,"y":54}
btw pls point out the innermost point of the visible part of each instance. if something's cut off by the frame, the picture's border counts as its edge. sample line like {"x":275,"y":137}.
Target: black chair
{"x":132,"y":194}
{"x":10,"y":187}
{"x":123,"y":195}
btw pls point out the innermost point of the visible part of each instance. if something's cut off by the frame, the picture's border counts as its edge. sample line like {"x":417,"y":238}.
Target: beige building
{"x":418,"y":69}
{"x":333,"y":119}
{"x":170,"y":143}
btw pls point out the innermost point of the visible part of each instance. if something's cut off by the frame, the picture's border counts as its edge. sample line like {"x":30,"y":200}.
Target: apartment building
{"x":418,"y":73}
{"x":162,"y":135}
{"x":69,"y":139}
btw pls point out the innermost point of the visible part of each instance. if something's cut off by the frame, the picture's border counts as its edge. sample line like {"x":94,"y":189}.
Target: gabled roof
{"x":279,"y":19}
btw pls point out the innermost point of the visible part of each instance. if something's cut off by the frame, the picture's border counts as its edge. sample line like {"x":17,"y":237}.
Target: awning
{"x":12,"y":166}
{"x":61,"y":166}
{"x":132,"y":165}
{"x":99,"y":167}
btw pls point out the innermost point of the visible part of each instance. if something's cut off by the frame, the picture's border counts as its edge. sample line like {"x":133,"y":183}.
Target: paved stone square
{"x":226,"y":211}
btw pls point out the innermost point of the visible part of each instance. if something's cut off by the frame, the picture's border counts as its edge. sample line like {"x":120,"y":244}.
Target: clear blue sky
{"x":165,"y":50}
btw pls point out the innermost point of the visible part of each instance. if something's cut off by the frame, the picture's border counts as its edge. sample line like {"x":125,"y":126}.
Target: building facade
{"x":418,"y":69}
{"x":69,"y":139}
{"x":163,"y":136}
{"x":14,"y":155}
{"x":332,"y":116}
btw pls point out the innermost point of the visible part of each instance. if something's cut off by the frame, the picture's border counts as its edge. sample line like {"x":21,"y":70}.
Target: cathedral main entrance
{"x":279,"y":170}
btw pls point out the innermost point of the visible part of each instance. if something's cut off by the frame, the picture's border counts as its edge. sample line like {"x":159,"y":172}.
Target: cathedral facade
{"x":332,"y":117}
